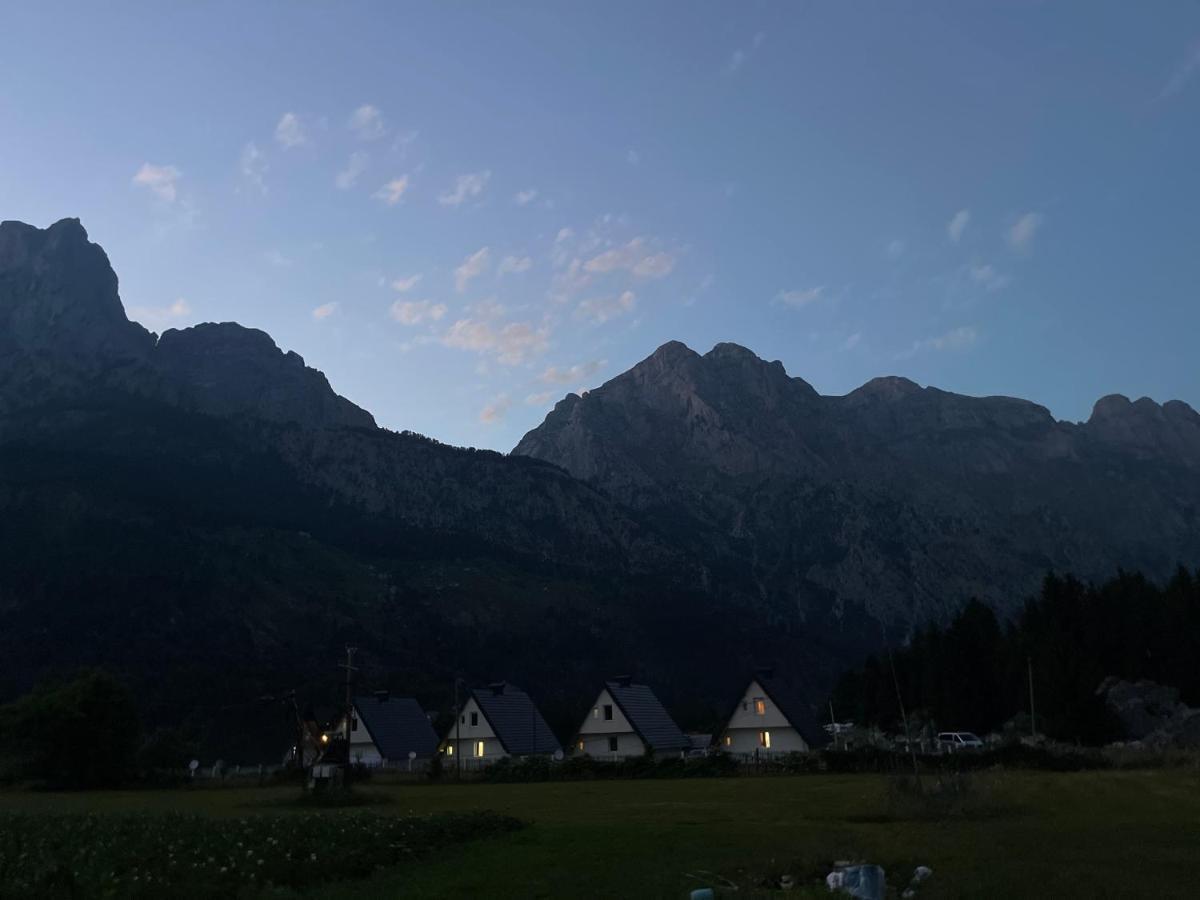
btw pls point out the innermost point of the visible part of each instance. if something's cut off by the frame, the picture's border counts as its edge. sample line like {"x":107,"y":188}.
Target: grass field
{"x":1092,"y":834}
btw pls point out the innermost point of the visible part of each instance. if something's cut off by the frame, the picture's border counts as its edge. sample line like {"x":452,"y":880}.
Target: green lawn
{"x":1094,"y":834}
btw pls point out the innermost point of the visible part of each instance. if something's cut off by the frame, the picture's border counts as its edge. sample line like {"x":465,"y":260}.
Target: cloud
{"x":254,"y":166}
{"x":524,"y":198}
{"x":1021,"y":233}
{"x":633,"y":157}
{"x":738,"y":58}
{"x":393,"y":191}
{"x":472,"y":267}
{"x":324,"y":311}
{"x":957,"y":339}
{"x":159,"y":179}
{"x":367,"y":123}
{"x":798,"y":299}
{"x":277,"y":258}
{"x":1187,"y":67}
{"x":495,"y":410}
{"x":404,"y":285}
{"x":599,"y":310}
{"x":986,"y":275}
{"x":355,"y":166}
{"x":511,"y":344}
{"x":571,"y":374}
{"x":158,"y":318}
{"x":852,"y":341}
{"x":514,"y":264}
{"x":289,"y":132}
{"x":541,"y":399}
{"x":465,"y":188}
{"x":633,"y":257}
{"x":414,"y":312}
{"x":958,"y":224}
{"x":894,"y":250}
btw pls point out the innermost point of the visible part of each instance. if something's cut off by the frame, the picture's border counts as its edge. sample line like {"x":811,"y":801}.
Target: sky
{"x":460,"y":212}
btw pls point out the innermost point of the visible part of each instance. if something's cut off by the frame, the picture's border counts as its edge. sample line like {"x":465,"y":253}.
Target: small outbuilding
{"x":771,"y":717}
{"x":498,"y":721}
{"x":628,"y":720}
{"x":385,"y":730}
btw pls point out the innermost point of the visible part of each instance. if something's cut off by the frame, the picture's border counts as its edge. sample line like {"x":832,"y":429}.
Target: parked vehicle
{"x":958,"y":741}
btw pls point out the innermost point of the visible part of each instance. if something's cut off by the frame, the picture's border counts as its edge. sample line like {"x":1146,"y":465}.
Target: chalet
{"x":498,"y":721}
{"x":385,"y":730}
{"x":628,"y":720}
{"x":772,"y":717}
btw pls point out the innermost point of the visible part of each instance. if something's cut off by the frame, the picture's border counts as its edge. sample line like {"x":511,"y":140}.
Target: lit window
{"x":474,"y":718}
{"x":580,"y":745}
{"x":479,"y":748}
{"x":449,"y":749}
{"x":728,"y":741}
{"x":760,"y":706}
{"x":607,"y":712}
{"x":595,"y":712}
{"x":764,"y":740}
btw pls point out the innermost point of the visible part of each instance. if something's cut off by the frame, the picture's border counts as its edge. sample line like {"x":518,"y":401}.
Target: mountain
{"x":906,"y":500}
{"x":200,"y":512}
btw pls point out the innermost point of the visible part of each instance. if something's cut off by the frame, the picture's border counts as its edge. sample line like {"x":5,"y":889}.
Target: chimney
{"x":497,"y":687}
{"x":623,"y":680}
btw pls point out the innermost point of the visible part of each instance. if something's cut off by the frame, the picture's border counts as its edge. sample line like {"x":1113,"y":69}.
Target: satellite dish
{"x":558,"y":755}
{"x":194,"y":765}
{"x":412,"y":754}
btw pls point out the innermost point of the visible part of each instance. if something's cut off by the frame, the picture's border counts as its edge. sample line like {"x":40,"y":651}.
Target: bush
{"x":79,"y":733}
{"x":945,"y":795}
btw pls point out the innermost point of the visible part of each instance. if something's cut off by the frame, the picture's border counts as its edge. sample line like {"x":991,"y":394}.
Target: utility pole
{"x":1032,"y":710}
{"x":833,"y":726}
{"x":348,"y":665}
{"x":904,"y":716}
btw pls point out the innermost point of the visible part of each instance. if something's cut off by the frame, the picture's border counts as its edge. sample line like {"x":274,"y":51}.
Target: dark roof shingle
{"x":515,"y":719}
{"x":398,"y":726}
{"x":648,"y":716}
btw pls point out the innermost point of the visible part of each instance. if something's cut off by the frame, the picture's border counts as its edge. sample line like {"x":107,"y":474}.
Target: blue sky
{"x":460,"y":212}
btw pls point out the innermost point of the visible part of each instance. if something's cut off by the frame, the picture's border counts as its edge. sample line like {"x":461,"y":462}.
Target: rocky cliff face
{"x":906,"y":499}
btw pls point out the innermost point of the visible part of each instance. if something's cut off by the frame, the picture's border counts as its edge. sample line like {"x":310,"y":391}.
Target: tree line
{"x":974,"y":673}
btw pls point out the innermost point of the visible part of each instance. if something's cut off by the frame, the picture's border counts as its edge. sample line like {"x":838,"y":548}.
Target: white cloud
{"x":495,"y":410}
{"x":367,"y":122}
{"x":404,"y":285}
{"x":957,"y":339}
{"x":1021,"y":233}
{"x":524,"y":198}
{"x":355,"y":166}
{"x":465,"y":188}
{"x":798,"y":299}
{"x":324,"y":311}
{"x":514,"y":265}
{"x":958,"y":224}
{"x":158,"y":318}
{"x":738,"y":58}
{"x":571,"y":374}
{"x":289,"y":132}
{"x":633,"y":157}
{"x":511,"y":344}
{"x":599,"y":310}
{"x":633,"y":257}
{"x":541,"y":399}
{"x":986,"y":275}
{"x":393,"y":191}
{"x":159,"y":179}
{"x":277,"y":258}
{"x":472,"y":267}
{"x":1187,"y":67}
{"x":895,"y":249}
{"x":254,"y":166}
{"x":852,"y":341}
{"x":414,"y":312}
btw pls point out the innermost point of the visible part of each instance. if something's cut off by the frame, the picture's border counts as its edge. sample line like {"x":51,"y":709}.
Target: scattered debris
{"x":867,"y":882}
{"x":919,"y":875}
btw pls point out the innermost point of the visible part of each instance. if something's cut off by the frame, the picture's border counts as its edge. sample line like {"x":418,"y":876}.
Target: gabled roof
{"x":517,"y":723}
{"x":649,"y":719}
{"x":792,"y":702}
{"x":398,"y":726}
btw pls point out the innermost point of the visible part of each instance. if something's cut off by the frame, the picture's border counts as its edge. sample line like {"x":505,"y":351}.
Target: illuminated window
{"x":764,"y":740}
{"x":580,"y":745}
{"x":449,"y":749}
{"x":607,"y":712}
{"x":474,"y":718}
{"x":728,"y":740}
{"x":612,"y":745}
{"x":760,"y":706}
{"x":479,"y":748}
